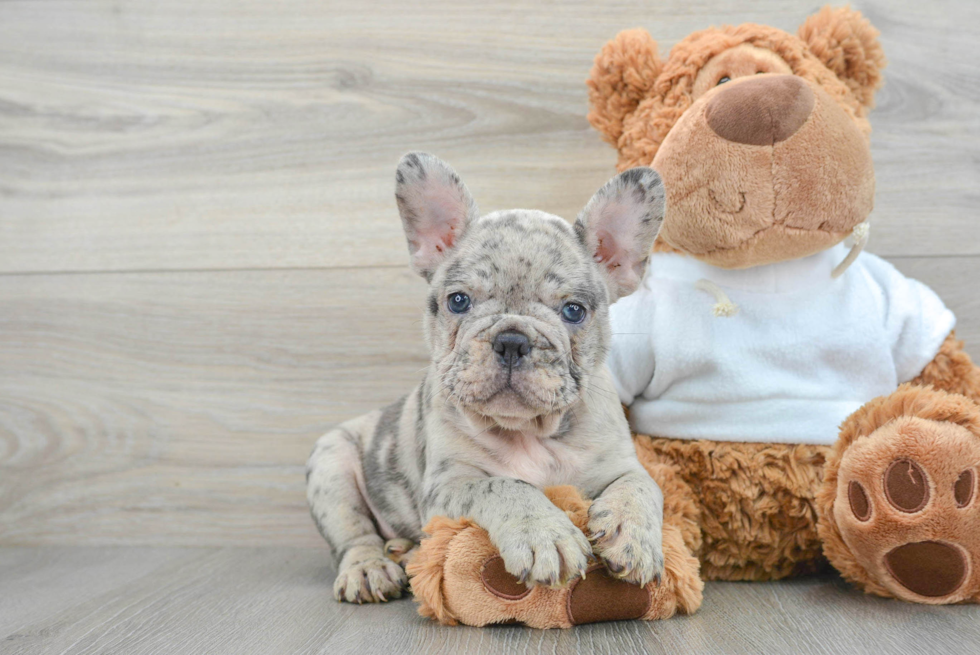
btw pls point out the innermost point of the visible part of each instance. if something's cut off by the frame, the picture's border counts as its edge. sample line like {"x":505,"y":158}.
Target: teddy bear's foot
{"x":905,"y":516}
{"x":596,"y":596}
{"x":458,"y":577}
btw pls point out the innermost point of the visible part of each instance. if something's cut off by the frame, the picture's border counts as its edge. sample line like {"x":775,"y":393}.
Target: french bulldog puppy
{"x":517,"y":396}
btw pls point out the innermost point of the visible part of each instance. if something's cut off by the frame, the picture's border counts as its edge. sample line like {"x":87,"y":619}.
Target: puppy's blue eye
{"x":723,"y":80}
{"x":459,"y":303}
{"x":572,"y":312}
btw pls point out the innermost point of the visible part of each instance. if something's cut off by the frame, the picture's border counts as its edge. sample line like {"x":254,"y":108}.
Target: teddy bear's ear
{"x":848,"y":45}
{"x":623,"y":74}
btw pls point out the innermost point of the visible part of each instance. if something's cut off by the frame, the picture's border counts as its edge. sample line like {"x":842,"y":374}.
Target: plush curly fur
{"x":630,"y":67}
{"x":848,"y":45}
{"x":749,"y":505}
{"x":952,"y":370}
{"x":845,"y":60}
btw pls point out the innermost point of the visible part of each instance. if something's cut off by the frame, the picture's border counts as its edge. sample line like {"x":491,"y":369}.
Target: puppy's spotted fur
{"x":517,"y":396}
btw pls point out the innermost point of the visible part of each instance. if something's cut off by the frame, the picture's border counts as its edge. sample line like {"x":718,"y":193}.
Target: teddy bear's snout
{"x":760,"y":111}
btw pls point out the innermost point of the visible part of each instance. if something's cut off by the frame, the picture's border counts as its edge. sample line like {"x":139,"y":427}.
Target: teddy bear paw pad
{"x":596,"y":597}
{"x":499,"y":582}
{"x":928,"y":568}
{"x":601,"y":597}
{"x":906,"y":508}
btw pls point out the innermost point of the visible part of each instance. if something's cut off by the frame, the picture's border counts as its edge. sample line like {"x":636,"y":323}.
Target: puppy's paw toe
{"x":634,"y":559}
{"x":400,"y":551}
{"x":549,"y":554}
{"x":370,"y":581}
{"x":630,"y":546}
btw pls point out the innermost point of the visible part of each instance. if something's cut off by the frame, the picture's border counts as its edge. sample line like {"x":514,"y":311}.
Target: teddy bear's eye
{"x":724,"y":79}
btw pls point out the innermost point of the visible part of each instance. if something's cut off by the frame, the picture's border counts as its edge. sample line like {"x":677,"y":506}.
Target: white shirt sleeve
{"x":631,"y":357}
{"x":916,"y":321}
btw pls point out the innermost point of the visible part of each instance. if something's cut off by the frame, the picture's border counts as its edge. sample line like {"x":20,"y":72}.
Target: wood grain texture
{"x":215,"y":135}
{"x":179,"y":408}
{"x":143,"y":601}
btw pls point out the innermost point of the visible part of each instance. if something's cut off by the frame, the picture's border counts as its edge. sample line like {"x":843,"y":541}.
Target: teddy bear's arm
{"x":952,"y":370}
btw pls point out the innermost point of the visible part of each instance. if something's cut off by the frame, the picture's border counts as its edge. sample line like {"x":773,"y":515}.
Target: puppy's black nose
{"x":510,"y":347}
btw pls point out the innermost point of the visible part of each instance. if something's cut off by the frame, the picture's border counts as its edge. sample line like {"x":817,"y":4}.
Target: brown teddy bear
{"x":756,"y":334}
{"x":762,"y":140}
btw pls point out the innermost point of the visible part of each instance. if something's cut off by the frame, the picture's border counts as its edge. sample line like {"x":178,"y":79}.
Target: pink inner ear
{"x":607,"y":252}
{"x":437,"y":233}
{"x":612,"y":232}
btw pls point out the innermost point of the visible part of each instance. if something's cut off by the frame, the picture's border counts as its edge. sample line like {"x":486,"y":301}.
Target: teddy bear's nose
{"x":761,"y":111}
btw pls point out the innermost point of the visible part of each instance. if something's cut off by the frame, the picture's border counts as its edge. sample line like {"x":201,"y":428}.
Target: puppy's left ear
{"x":435,"y":206}
{"x":618,"y":227}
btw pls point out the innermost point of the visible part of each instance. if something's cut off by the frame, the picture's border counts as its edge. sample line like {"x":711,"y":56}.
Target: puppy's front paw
{"x":401,"y":551}
{"x":370,"y":580}
{"x":628,"y":540}
{"x":546,"y":550}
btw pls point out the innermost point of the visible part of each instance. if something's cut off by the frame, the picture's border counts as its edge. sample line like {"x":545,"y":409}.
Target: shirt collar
{"x":781,"y":277}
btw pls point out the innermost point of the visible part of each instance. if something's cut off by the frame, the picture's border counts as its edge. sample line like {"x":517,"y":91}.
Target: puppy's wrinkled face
{"x":516,"y":317}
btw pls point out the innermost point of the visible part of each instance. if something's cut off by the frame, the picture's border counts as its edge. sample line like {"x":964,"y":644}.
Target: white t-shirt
{"x":803,"y":352}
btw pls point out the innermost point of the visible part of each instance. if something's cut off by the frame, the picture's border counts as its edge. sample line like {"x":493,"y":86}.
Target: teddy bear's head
{"x":761,"y":137}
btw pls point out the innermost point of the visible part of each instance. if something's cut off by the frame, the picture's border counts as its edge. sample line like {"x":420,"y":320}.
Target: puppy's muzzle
{"x":511,"y":348}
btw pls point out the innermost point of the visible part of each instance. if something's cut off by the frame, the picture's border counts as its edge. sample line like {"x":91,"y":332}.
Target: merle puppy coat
{"x":517,"y":396}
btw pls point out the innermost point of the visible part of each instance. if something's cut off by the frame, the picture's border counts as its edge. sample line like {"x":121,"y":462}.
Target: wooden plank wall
{"x":201,"y":267}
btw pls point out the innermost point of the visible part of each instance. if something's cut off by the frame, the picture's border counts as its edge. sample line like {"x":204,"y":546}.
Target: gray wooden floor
{"x":202,"y":269}
{"x":276,"y":600}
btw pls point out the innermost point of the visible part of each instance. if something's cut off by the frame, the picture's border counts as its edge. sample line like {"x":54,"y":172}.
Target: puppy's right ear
{"x":618,"y":227}
{"x":435,"y":206}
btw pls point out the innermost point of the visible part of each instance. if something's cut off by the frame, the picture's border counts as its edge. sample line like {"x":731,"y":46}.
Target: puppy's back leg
{"x":342,"y":515}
